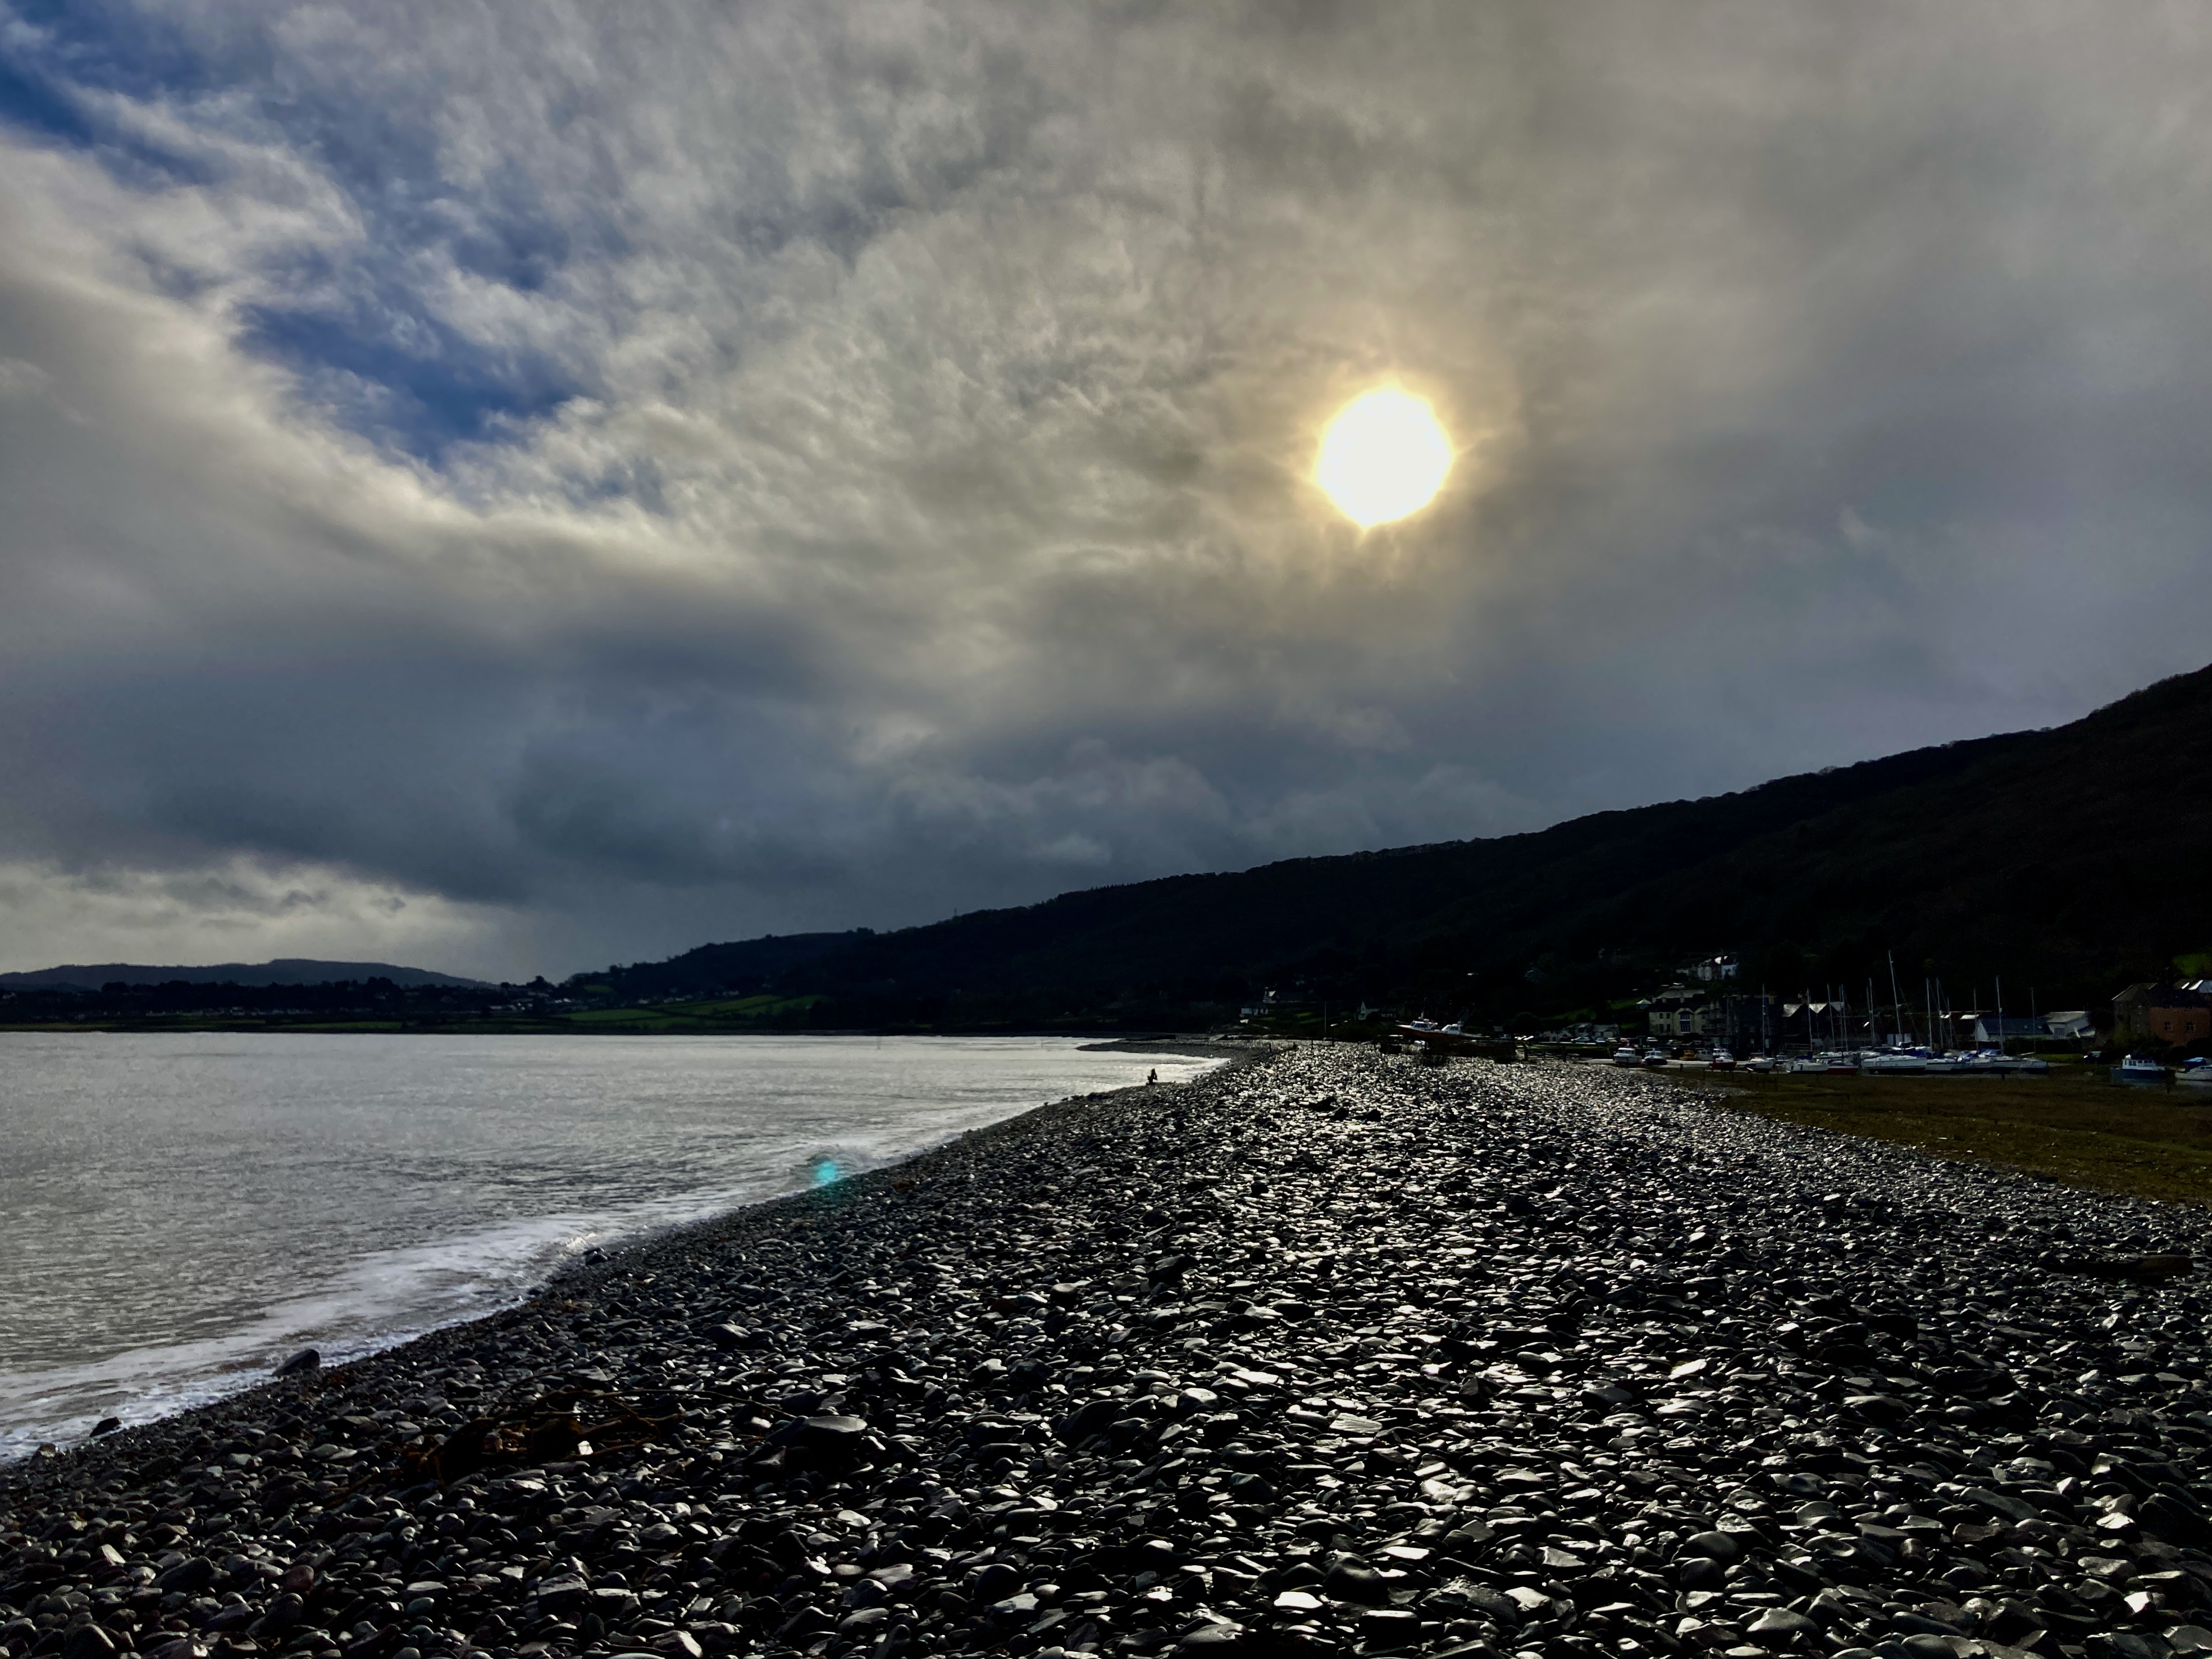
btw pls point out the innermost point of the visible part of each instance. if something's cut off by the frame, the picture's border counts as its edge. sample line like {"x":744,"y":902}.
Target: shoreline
{"x":143,"y":1392}
{"x":1091,"y":1036}
{"x":1321,"y":1351}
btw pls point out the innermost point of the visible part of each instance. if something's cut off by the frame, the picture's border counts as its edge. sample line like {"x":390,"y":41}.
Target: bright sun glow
{"x":1383,"y":456}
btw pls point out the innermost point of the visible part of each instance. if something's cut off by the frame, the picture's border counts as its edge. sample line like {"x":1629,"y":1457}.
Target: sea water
{"x":179,"y":1211}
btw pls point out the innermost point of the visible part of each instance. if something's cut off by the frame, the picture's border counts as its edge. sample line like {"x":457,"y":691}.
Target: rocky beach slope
{"x":1326,"y":1352}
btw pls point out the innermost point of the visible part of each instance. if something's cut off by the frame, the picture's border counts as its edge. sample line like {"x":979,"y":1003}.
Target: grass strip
{"x":2074,"y":1126}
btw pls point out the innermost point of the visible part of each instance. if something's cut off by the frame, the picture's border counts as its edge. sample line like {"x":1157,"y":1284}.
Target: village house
{"x":2163,"y":1013}
{"x":1679,"y":1011}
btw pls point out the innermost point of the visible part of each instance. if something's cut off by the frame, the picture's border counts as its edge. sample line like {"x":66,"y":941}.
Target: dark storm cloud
{"x":532,"y":485}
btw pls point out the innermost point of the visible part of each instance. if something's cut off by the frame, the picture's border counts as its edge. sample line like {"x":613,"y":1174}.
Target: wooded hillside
{"x":2068,"y":860}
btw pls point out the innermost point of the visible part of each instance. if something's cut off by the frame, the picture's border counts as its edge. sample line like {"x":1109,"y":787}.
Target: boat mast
{"x":1896,"y":1003}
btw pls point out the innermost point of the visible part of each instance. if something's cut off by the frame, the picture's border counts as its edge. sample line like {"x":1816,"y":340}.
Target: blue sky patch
{"x":421,"y":400}
{"x":384,"y":365}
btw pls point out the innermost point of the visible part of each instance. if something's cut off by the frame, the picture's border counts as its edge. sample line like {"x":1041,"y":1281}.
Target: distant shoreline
{"x":1091,"y":1036}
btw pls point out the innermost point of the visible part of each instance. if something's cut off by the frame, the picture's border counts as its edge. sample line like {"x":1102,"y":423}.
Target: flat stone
{"x":1354,"y":1581}
{"x":1479,"y":1399}
{"x":1780,"y":1624}
{"x":1388,"y":1628}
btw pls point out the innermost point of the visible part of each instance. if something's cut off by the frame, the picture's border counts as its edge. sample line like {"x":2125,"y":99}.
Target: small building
{"x":2071,"y":1023}
{"x":2004,"y":1028}
{"x":2165,"y":1013}
{"x":2170,"y":1020}
{"x":1712,"y":969}
{"x":1679,"y":1011}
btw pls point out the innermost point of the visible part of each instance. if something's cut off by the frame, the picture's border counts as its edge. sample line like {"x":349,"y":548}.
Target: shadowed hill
{"x":744,"y":965}
{"x":2066,"y":861}
{"x":284,"y":970}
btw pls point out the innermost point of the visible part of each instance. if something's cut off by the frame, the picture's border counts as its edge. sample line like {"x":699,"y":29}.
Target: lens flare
{"x":1383,"y":457}
{"x":826,"y":1172}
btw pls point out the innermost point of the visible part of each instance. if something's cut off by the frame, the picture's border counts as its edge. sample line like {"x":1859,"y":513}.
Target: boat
{"x":2197,"y":1074}
{"x":1627,"y":1057}
{"x":1840,"y":1065}
{"x":1759,"y":1063}
{"x":1656,"y":1060}
{"x":1427,"y":1030}
{"x":1722,"y":1061}
{"x":1890,"y":1062}
{"x":1994,"y":1062}
{"x":2140,"y":1072}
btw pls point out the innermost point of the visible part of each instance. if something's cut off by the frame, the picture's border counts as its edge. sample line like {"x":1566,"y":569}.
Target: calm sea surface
{"x":176,"y":1213}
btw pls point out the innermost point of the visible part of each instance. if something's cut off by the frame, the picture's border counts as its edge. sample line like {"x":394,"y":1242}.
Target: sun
{"x":1383,"y":457}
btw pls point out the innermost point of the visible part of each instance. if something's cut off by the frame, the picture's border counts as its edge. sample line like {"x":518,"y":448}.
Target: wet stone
{"x":1328,"y":1350}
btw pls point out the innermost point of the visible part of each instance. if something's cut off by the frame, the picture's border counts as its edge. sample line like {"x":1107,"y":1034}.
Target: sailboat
{"x":1891,"y":1061}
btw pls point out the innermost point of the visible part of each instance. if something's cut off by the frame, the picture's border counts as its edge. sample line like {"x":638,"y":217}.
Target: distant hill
{"x":284,"y":970}
{"x":741,"y":966}
{"x":2066,"y":861}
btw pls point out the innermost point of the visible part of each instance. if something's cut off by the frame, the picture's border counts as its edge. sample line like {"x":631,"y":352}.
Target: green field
{"x":2075,"y":1126}
{"x":736,"y":1012}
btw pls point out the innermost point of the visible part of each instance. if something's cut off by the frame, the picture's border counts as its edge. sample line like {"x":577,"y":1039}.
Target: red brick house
{"x":2165,"y":1013}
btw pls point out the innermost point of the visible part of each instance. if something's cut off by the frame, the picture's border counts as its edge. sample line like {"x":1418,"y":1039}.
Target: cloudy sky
{"x":510,"y":488}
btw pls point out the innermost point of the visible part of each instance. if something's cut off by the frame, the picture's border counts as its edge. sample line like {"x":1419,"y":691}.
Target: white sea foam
{"x":175,"y":1218}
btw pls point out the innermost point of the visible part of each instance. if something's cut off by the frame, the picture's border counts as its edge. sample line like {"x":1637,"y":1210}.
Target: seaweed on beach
{"x":560,"y":1427}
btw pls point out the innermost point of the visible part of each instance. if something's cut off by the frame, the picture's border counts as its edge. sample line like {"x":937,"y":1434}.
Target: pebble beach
{"x":1324,"y":1351}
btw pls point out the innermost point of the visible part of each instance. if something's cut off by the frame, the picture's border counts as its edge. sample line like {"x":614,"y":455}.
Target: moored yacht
{"x":1897,"y":1060}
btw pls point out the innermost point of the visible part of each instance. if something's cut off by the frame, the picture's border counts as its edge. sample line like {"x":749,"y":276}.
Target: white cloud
{"x":663,"y":475}
{"x":237,"y":910}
